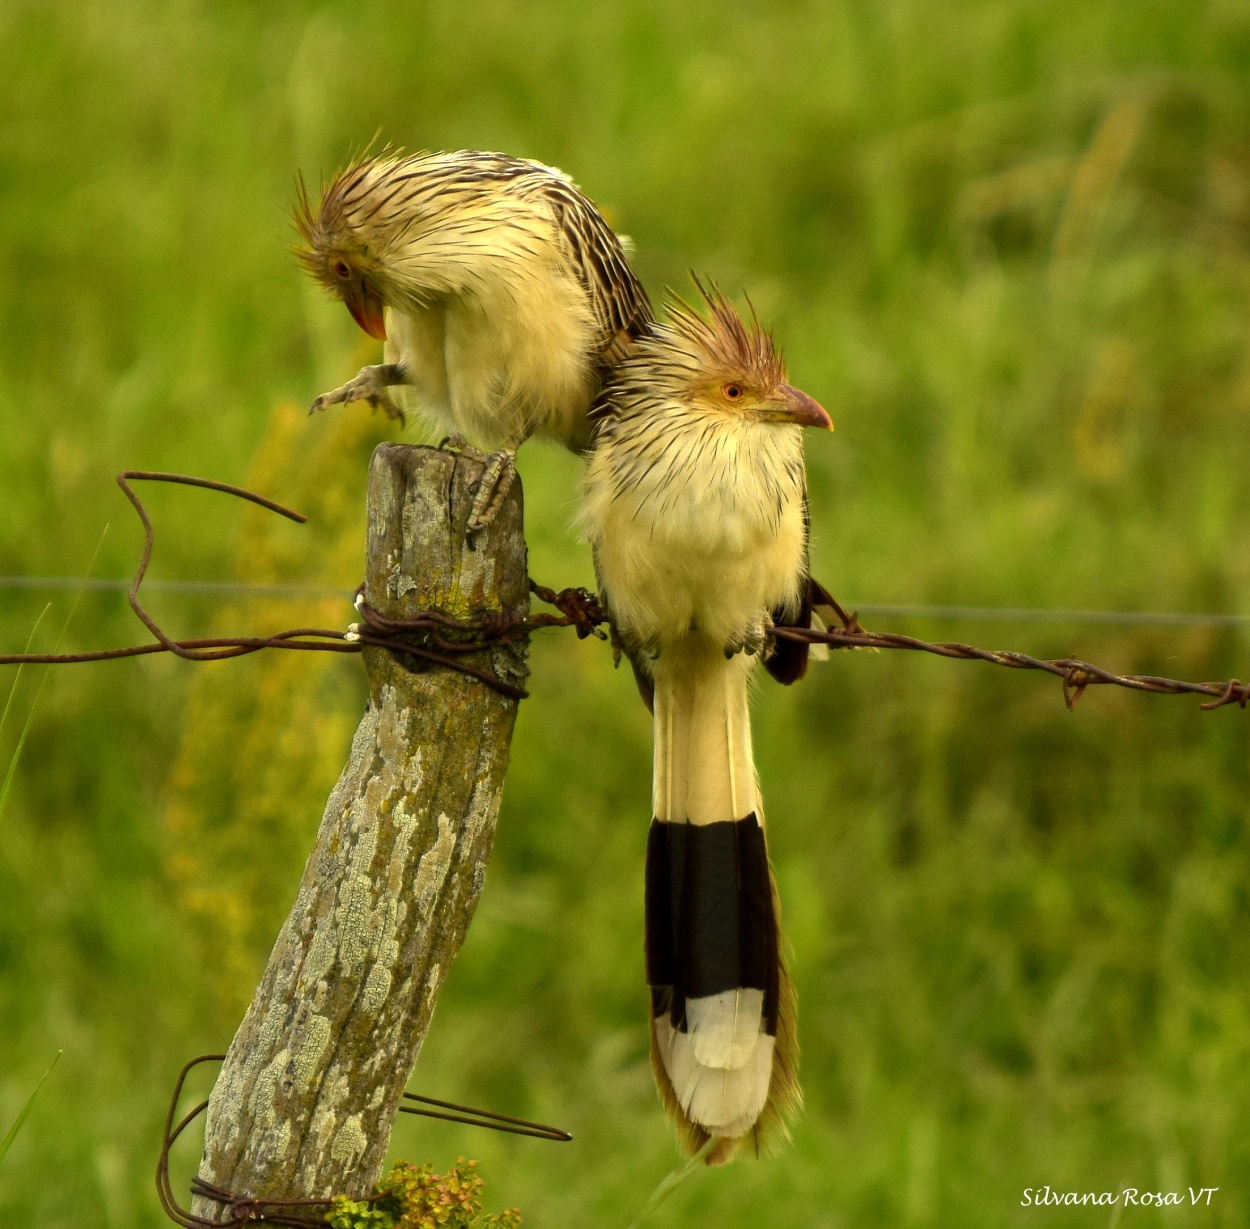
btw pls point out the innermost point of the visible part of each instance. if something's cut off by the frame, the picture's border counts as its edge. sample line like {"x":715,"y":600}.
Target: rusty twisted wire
{"x":240,"y":1209}
{"x":422,"y":637}
{"x":287,"y":1212}
{"x":435,"y":639}
{"x":412,"y":637}
{"x":1075,"y":675}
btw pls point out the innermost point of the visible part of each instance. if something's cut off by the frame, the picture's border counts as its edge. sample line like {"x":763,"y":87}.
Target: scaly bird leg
{"x":369,"y":385}
{"x":494,"y":484}
{"x":492,"y":488}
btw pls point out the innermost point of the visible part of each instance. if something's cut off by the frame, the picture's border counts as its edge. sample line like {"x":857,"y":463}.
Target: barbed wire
{"x":431,"y":638}
{"x":1075,"y":675}
{"x":412,"y":637}
{"x":287,"y":1212}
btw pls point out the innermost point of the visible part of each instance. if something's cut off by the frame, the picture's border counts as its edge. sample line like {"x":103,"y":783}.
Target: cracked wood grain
{"x":305,"y":1101}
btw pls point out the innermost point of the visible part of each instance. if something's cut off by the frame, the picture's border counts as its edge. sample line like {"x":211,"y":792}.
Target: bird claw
{"x":753,"y":641}
{"x":368,"y":387}
{"x":457,"y":443}
{"x":492,"y":489}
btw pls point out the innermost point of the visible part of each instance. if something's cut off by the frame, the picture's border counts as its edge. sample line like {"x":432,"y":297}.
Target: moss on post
{"x":305,"y":1102}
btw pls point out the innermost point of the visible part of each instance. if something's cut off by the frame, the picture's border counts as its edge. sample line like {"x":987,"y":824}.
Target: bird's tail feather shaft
{"x":722,"y":1033}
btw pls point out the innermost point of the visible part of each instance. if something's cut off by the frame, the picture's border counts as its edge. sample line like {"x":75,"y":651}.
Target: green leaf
{"x":21,"y":1118}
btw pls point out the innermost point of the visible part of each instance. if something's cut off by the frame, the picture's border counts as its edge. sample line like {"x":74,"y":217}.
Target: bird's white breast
{"x":700,"y":530}
{"x":416,"y":339}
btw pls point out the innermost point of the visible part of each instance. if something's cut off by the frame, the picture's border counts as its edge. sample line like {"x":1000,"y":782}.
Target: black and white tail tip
{"x":722,"y":1007}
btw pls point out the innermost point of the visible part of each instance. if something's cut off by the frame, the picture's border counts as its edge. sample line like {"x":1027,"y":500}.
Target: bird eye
{"x":343,"y":269}
{"x":733,"y":391}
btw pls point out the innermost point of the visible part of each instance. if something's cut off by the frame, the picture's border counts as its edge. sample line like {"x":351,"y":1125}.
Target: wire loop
{"x":244,"y":1208}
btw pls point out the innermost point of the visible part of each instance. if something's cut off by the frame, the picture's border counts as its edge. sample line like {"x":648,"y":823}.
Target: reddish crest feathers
{"x":723,"y":342}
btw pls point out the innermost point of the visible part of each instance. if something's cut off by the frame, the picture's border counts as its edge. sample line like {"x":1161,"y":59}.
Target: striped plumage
{"x":694,"y":502}
{"x":504,"y":296}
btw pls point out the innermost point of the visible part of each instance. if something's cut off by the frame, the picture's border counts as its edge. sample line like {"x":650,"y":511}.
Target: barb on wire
{"x":434,"y":639}
{"x":239,"y":1209}
{"x":1076,"y":675}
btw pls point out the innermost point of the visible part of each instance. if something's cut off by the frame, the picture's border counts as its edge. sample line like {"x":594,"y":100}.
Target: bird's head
{"x":718,"y":364}
{"x":340,"y":245}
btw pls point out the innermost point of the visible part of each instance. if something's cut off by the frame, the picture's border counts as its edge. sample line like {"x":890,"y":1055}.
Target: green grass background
{"x":1006,"y":243}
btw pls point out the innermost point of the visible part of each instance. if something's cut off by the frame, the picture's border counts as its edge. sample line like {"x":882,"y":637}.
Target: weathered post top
{"x":306,"y":1098}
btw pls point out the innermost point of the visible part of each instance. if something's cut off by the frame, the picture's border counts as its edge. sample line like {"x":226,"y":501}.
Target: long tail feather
{"x":723,"y":1044}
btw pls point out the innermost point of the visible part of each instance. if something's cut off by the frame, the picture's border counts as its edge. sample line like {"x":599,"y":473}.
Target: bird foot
{"x":753,"y":641}
{"x":457,"y":443}
{"x":369,"y":385}
{"x":492,"y":488}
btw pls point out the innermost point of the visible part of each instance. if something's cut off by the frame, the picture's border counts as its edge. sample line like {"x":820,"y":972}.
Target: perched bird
{"x":694,"y":501}
{"x":503,"y":296}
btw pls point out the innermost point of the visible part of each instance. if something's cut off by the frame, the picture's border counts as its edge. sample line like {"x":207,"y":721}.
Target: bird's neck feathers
{"x":659,"y":444}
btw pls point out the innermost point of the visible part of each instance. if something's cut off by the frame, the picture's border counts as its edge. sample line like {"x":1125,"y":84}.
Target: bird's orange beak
{"x":366,"y":310}
{"x":797,"y":407}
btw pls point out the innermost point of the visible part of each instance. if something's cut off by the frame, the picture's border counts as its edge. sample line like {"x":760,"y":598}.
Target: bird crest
{"x":723,"y":340}
{"x":333,"y":225}
{"x":710,"y":357}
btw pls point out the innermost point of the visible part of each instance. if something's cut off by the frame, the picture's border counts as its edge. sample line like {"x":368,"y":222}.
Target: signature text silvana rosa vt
{"x":1130,"y":1196}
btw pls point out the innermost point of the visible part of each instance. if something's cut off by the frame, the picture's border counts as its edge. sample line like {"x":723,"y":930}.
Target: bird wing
{"x":620,"y":305}
{"x":787,"y":663}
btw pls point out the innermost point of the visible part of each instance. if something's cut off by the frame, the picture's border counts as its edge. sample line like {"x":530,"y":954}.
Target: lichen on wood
{"x":305,"y":1101}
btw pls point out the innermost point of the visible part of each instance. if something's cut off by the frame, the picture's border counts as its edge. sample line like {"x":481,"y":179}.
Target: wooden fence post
{"x":305,"y":1101}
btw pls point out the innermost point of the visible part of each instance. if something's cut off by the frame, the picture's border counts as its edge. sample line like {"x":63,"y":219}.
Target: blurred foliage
{"x":257,"y":762}
{"x":1007,"y":244}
